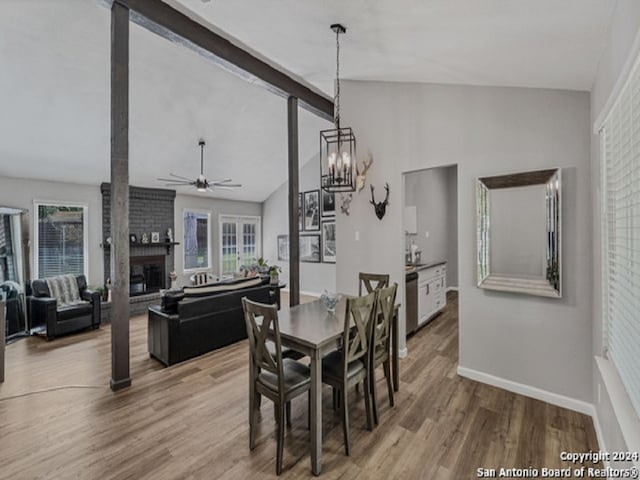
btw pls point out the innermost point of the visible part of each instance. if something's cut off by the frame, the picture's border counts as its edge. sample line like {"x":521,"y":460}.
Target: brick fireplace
{"x":150,"y":210}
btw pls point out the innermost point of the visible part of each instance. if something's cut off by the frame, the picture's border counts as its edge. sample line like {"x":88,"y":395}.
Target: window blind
{"x":620,"y":143}
{"x":61,"y":240}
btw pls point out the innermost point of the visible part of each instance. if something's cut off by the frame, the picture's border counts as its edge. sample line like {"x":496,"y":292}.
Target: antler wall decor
{"x":346,"y":203}
{"x":380,"y":207}
{"x":361,"y":175}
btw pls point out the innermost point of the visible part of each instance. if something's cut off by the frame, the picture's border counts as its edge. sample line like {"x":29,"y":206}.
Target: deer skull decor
{"x":380,"y":207}
{"x":361,"y":175}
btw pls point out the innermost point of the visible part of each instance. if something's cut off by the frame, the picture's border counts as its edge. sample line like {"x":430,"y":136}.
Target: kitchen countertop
{"x":423,"y":266}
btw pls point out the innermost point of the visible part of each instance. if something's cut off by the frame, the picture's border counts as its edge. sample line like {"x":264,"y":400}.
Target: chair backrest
{"x":258,"y":333}
{"x":372,"y":281}
{"x":202,"y":278}
{"x":355,"y":339}
{"x":385,"y":308}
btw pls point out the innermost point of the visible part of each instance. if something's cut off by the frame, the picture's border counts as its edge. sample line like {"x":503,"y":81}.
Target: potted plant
{"x":274,"y":271}
{"x":101,"y":290}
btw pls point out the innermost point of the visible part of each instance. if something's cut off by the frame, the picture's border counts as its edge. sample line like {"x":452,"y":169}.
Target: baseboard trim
{"x":529,"y":391}
{"x":451,"y":289}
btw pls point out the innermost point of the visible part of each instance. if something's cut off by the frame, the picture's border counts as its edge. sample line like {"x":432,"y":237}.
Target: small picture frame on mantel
{"x":155,"y":237}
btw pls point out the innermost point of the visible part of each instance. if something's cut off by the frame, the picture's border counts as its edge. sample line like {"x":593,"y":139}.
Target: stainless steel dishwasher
{"x":411,"y":301}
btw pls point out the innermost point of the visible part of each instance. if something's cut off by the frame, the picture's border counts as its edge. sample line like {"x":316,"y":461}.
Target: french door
{"x":240,"y":242}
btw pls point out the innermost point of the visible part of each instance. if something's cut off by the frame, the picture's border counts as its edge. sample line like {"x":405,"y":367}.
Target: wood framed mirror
{"x":518,"y":233}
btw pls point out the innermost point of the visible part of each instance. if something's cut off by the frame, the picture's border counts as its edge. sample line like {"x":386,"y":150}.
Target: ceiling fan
{"x":201,"y":183}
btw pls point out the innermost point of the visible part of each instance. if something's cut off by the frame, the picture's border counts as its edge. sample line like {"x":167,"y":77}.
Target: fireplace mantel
{"x":133,"y":246}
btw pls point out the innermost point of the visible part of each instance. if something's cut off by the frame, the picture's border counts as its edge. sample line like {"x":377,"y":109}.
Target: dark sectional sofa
{"x":205,"y":319}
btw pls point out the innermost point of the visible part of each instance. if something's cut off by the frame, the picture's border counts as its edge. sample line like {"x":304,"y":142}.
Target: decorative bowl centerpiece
{"x":330,"y":300}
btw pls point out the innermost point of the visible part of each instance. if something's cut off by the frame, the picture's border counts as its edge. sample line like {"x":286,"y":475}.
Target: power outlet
{"x":357,"y":235}
{"x":426,"y":234}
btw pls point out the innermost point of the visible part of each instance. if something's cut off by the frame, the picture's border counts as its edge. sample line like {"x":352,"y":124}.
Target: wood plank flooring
{"x":190,"y":421}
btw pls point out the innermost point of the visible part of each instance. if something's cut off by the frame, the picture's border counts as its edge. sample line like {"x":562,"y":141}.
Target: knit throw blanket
{"x":64,"y":288}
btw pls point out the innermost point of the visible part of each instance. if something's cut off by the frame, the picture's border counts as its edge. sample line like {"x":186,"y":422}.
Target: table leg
{"x":395,"y":367}
{"x":316,"y":413}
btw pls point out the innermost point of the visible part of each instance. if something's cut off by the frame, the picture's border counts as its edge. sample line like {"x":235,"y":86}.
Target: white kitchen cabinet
{"x":431,"y":291}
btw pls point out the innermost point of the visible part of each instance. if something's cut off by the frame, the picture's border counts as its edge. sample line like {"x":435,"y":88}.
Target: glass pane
{"x":229,"y":248}
{"x":60,"y":240}
{"x":249,"y":254}
{"x":196,"y":237}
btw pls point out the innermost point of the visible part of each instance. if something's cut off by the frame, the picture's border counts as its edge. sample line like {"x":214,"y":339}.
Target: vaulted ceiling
{"x":54,"y":76}
{"x":519,"y":43}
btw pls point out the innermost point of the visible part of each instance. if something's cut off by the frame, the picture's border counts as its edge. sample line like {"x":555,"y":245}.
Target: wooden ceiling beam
{"x":166,"y":21}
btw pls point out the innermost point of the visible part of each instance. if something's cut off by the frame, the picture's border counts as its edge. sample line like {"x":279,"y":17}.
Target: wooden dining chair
{"x":278,"y":379}
{"x":372,"y":281}
{"x":380,"y":351}
{"x":345,"y":368}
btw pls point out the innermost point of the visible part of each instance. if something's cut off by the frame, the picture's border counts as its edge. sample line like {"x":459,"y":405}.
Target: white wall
{"x":314,"y":277}
{"x":433,"y":192}
{"x":21,"y":193}
{"x":625,"y":26}
{"x":216,"y":207}
{"x":544,"y":343}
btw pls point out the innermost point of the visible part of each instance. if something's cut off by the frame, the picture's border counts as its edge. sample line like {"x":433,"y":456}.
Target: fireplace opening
{"x":146,"y":274}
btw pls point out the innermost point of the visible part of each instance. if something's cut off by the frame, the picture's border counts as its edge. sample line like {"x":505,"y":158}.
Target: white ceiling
{"x":54,"y":119}
{"x":523,"y":43}
{"x":54,"y":76}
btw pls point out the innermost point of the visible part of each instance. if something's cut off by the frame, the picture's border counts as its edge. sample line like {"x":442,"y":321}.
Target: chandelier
{"x":338,"y":145}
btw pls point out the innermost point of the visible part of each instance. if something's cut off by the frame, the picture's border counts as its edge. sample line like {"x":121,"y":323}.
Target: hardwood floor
{"x":190,"y":421}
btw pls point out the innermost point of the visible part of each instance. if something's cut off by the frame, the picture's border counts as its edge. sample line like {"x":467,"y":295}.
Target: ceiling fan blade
{"x":173,"y":180}
{"x":181,"y":177}
{"x":227,"y":187}
{"x":226,"y":180}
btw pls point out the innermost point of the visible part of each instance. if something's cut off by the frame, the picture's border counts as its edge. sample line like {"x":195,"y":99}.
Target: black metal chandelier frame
{"x":338,"y":145}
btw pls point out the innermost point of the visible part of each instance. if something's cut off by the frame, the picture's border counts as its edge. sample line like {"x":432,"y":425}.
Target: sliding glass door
{"x":240,"y":242}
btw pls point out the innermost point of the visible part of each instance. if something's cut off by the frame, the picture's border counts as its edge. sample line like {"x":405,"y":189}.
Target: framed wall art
{"x":310,"y":248}
{"x":328,"y":203}
{"x":283,"y":247}
{"x":312,"y":210}
{"x":329,"y":241}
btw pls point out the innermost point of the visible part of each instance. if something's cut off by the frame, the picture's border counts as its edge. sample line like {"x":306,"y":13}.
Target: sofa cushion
{"x":76,"y":310}
{"x":226,"y":286}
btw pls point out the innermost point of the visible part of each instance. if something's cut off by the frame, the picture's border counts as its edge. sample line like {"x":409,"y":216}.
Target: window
{"x":620,"y":143}
{"x":197,"y":240}
{"x":61,"y":236}
{"x":240,"y":242}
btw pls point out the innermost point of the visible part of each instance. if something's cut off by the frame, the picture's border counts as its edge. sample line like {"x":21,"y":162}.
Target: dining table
{"x":311,"y":329}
